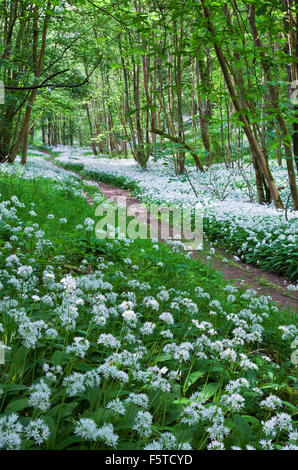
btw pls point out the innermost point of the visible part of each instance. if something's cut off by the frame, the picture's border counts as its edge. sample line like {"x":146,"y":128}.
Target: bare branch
{"x":44,"y":84}
{"x":183,"y":144}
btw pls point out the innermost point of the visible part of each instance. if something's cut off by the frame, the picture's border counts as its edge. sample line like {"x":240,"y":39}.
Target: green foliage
{"x":275,"y":258}
{"x":162,"y":269}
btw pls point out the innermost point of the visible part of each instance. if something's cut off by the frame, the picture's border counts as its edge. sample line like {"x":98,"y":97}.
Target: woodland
{"x":138,"y":343}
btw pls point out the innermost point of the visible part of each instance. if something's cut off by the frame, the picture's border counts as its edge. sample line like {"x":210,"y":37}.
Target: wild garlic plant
{"x":138,"y":348}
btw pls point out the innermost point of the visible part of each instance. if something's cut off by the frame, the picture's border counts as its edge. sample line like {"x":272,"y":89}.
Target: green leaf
{"x":17,"y":405}
{"x":15,"y":388}
{"x":182,"y":401}
{"x":163,"y":357}
{"x":289,"y":405}
{"x":209,"y":390}
{"x":59,"y":358}
{"x":19,"y":358}
{"x":242,"y":429}
{"x":67,"y":442}
{"x":192,"y":379}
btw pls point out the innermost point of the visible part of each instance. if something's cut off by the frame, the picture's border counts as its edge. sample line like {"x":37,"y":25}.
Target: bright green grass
{"x":47,"y":197}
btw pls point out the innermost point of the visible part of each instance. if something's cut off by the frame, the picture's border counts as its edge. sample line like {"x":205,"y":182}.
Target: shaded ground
{"x":248,"y":276}
{"x":261,"y":281}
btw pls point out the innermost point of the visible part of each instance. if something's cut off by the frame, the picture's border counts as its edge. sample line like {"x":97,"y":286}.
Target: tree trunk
{"x":177,"y":39}
{"x":275,"y":104}
{"x":203,"y":113}
{"x":92,"y":143}
{"x":254,"y":146}
{"x":38,"y":63}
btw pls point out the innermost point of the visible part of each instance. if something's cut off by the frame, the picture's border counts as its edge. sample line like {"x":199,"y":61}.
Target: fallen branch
{"x":72,"y":268}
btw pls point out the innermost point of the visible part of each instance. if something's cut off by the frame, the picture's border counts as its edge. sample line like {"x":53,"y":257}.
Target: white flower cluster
{"x":13,"y":433}
{"x":225,"y":207}
{"x":121,"y":344}
{"x":86,"y":428}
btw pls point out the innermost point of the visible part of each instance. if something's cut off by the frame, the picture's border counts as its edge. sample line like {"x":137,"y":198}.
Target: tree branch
{"x":44,"y":84}
{"x":118,"y":19}
{"x":183,"y":144}
{"x":35,"y":87}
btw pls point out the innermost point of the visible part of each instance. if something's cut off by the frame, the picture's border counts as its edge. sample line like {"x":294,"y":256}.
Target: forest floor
{"x":247,"y":276}
{"x":135,"y":341}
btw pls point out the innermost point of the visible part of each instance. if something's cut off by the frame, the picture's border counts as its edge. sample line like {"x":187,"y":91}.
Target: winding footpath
{"x":241,"y":274}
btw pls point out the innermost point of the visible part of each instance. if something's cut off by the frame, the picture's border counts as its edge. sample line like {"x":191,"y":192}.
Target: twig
{"x":73,"y":268}
{"x":56,"y":85}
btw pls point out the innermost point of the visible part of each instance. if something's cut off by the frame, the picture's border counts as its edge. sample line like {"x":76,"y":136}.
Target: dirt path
{"x":248,"y":276}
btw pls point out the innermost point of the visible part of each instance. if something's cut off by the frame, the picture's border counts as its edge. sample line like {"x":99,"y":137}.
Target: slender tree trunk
{"x":203,"y":118}
{"x":127,"y":108}
{"x":92,"y":143}
{"x":291,"y":49}
{"x":275,"y":104}
{"x":278,"y":148}
{"x":38,"y":63}
{"x":178,"y":38}
{"x":249,"y":134}
{"x":25,"y":148}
